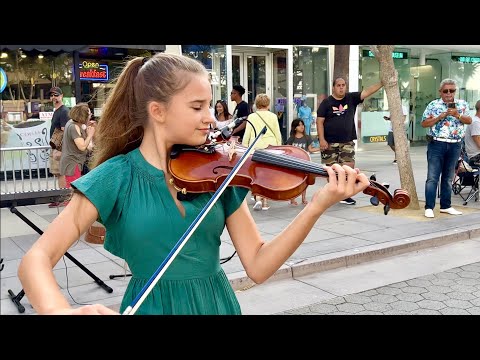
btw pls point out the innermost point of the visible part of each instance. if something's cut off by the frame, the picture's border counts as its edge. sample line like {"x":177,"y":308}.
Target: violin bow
{"x":133,"y":307}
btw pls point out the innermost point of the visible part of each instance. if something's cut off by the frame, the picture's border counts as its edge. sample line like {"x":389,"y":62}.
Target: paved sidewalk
{"x":344,"y":236}
{"x":442,"y":280}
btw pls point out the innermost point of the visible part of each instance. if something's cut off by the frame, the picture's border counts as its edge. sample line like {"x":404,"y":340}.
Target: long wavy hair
{"x":226,"y":113}
{"x":121,"y":125}
{"x":294,"y":125}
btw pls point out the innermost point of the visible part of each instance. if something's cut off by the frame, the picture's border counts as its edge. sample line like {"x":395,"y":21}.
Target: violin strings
{"x":288,"y":161}
{"x":291,"y":162}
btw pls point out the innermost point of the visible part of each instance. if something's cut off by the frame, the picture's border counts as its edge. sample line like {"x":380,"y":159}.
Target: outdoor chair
{"x":466,"y":177}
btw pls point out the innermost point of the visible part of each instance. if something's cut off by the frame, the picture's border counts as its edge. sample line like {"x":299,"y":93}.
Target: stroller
{"x":466,"y":175}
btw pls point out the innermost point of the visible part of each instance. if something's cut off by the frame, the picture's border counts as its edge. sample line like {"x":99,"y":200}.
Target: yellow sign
{"x":375,"y":139}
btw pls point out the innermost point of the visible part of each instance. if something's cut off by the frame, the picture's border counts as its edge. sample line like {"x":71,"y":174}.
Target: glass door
{"x":253,"y":72}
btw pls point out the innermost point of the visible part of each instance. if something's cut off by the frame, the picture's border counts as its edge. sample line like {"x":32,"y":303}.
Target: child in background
{"x":299,"y":138}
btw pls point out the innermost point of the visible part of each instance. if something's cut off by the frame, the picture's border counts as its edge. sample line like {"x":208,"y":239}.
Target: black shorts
{"x":390,"y":140}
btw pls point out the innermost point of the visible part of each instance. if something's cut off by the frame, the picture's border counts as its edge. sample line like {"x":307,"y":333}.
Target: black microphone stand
{"x":16,"y":298}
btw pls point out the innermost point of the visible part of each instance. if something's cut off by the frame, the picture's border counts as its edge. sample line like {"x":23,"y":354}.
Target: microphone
{"x":226,"y":131}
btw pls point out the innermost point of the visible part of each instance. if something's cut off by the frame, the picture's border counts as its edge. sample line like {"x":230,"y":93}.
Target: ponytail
{"x":118,"y":131}
{"x":124,"y":115}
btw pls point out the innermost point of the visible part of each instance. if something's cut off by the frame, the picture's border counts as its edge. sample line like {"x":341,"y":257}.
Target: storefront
{"x":27,"y":72}
{"x":286,"y":73}
{"x":81,"y":71}
{"x":420,"y":71}
{"x":97,"y":65}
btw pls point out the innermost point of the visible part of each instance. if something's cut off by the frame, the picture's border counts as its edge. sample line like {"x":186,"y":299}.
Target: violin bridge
{"x":231,"y":150}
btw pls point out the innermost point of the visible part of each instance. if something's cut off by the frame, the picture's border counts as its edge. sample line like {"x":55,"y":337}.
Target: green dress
{"x":143,"y":224}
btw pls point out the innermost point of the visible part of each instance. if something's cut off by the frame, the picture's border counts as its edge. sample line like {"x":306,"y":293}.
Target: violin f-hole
{"x":215,"y":171}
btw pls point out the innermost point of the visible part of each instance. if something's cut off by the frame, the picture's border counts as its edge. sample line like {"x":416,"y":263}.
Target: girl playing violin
{"x":155,"y":104}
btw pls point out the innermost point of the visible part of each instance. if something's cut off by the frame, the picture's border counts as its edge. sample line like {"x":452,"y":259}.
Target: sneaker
{"x":348,"y":201}
{"x":394,"y":162}
{"x":53,"y":204}
{"x":429,"y":213}
{"x":451,"y":211}
{"x":252,"y":199}
{"x":265,"y":208}
{"x":258,"y":205}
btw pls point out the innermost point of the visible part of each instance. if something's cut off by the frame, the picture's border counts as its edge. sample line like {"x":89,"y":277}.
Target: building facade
{"x":27,"y":72}
{"x":287,"y":73}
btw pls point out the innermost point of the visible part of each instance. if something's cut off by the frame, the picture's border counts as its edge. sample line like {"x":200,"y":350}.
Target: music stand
{"x":12,"y":200}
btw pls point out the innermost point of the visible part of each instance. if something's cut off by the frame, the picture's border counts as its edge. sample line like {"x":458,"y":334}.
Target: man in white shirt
{"x":390,"y":139}
{"x":472,"y":138}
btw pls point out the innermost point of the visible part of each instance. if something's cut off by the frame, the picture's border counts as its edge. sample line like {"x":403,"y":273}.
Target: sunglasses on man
{"x":56,"y":95}
{"x":451,"y":91}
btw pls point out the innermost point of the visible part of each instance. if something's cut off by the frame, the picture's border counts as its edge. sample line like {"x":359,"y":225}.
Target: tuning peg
{"x":374,"y":201}
{"x":373,"y":177}
{"x":386,"y":209}
{"x":387,"y":185}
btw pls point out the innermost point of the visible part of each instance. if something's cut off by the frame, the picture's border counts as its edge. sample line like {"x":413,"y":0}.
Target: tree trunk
{"x":389,"y":78}
{"x":341,"y":62}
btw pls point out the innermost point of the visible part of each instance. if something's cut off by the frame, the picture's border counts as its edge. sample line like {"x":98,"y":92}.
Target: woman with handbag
{"x":76,"y":139}
{"x":260,"y":118}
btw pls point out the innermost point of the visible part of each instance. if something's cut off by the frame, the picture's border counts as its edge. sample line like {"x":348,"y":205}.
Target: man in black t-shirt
{"x":59,"y":120}
{"x":336,"y":125}
{"x":60,"y":116}
{"x":242,"y":109}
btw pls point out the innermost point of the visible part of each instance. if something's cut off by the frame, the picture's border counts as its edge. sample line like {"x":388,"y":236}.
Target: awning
{"x":142,"y":47}
{"x":71,"y":48}
{"x":41,"y":48}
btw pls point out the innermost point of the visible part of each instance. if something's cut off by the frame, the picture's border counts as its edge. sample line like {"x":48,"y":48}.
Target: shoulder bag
{"x":256,"y":112}
{"x":57,"y":139}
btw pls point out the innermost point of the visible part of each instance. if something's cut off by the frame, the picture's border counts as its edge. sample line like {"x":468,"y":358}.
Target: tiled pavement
{"x":345,"y":235}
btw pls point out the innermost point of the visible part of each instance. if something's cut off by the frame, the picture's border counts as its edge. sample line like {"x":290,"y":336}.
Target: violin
{"x":276,"y":172}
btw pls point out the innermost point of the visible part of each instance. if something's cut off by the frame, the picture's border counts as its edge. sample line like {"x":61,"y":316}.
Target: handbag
{"x":264,"y":122}
{"x":95,"y":234}
{"x":57,"y":139}
{"x":57,"y":155}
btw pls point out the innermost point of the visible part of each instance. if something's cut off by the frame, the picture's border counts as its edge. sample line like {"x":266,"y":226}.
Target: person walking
{"x":242,"y":109}
{"x":445,"y":118}
{"x":390,"y":138}
{"x":257,"y":121}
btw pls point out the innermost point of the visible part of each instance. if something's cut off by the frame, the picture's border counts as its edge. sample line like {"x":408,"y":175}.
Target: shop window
{"x":29,"y":76}
{"x":213,"y":57}
{"x":310,"y":73}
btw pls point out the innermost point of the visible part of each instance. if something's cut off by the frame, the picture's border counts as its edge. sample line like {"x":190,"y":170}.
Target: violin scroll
{"x":380,"y":194}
